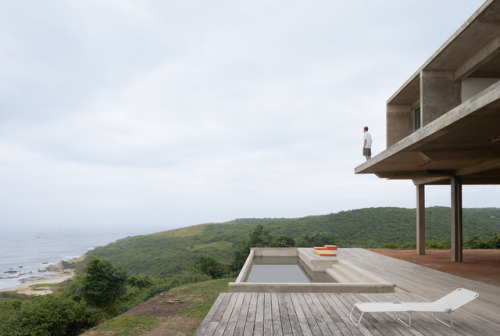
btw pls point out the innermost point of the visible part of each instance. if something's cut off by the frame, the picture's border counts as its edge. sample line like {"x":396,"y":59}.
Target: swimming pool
{"x":301,"y":270}
{"x":282,"y":270}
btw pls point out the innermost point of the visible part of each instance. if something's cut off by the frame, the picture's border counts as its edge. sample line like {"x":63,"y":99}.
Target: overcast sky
{"x":165,"y":114}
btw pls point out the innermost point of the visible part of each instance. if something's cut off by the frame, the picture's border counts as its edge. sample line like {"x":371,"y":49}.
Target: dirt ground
{"x":479,"y":265}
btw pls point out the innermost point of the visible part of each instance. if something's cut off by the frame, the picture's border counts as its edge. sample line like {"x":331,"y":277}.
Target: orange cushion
{"x":325,"y":253}
{"x":326,"y":247}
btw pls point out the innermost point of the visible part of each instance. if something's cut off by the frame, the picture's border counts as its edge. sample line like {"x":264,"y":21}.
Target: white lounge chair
{"x":447,"y":304}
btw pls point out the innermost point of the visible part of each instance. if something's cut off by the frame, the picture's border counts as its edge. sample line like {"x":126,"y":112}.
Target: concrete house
{"x":443,"y":124}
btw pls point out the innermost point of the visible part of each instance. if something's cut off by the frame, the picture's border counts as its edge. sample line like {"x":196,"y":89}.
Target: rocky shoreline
{"x":56,"y":273}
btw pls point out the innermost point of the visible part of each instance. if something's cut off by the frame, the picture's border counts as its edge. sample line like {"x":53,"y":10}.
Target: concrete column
{"x":439,"y":93}
{"x":456,"y":219}
{"x":420,"y":219}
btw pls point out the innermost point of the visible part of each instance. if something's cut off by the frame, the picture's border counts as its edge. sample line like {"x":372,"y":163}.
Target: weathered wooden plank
{"x":306,"y":331}
{"x":292,"y":315}
{"x":275,"y":308}
{"x":298,"y":308}
{"x":311,"y":321}
{"x":276,"y":315}
{"x":242,"y":317}
{"x":259,"y":316}
{"x":322,"y":316}
{"x":283,"y":310}
{"x":319,"y":310}
{"x":249,"y":328}
{"x":206,"y":322}
{"x":268,"y":316}
{"x":341,"y":327}
{"x":252,"y":308}
{"x":222,"y":307}
{"x":278,"y":330}
{"x":314,"y":307}
{"x":237,"y":307}
{"x":258,"y":329}
{"x":226,"y":315}
{"x":209,"y":331}
{"x":268,"y":328}
{"x":328,"y":309}
{"x":239,"y":330}
{"x":233,"y":319}
{"x":344,"y":312}
{"x":229,"y":328}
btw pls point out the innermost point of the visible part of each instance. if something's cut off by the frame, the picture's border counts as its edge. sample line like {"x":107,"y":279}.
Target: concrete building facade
{"x":443,"y":124}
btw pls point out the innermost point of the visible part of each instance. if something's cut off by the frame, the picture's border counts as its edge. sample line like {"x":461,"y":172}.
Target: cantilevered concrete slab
{"x":464,"y":142}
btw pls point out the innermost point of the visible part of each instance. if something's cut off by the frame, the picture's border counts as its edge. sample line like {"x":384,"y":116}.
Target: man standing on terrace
{"x":367,"y":144}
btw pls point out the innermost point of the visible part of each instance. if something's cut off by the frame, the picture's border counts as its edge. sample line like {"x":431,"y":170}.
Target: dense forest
{"x":170,"y":252}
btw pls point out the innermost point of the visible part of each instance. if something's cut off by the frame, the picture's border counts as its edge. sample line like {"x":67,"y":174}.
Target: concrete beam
{"x":413,"y":175}
{"x":482,"y":56}
{"x":484,"y":166}
{"x":460,"y":154}
{"x":431,"y":180}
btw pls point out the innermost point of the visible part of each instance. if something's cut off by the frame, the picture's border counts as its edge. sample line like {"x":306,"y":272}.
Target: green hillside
{"x":170,"y":252}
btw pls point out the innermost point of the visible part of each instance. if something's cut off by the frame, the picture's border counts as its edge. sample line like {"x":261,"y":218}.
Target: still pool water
{"x":284,"y":270}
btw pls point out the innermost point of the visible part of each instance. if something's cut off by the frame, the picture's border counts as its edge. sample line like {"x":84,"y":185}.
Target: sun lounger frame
{"x":447,"y":304}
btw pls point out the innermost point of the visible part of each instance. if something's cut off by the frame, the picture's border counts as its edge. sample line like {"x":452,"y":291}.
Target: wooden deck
{"x":328,"y":313}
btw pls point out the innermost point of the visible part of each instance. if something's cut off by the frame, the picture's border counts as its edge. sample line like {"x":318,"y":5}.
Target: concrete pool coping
{"x":347,"y":277}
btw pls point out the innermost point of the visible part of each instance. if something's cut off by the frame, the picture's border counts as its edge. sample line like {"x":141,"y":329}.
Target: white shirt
{"x":367,"y":136}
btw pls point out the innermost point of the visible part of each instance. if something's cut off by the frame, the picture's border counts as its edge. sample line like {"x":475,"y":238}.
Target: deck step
{"x":341,"y":274}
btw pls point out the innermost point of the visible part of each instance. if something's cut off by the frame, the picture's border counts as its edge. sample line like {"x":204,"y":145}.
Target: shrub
{"x":240,"y":255}
{"x":208,"y":265}
{"x":260,"y":237}
{"x":474,"y":242}
{"x":410,"y":246}
{"x":440,"y":245}
{"x":494,"y":242}
{"x":389,"y":246}
{"x":316,"y":239}
{"x":51,"y":315}
{"x":284,"y":241}
{"x":102,"y":283}
{"x":141,"y":281}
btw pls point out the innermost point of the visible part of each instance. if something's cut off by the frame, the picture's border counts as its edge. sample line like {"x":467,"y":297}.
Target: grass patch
{"x":11,"y":296}
{"x":199,"y":298}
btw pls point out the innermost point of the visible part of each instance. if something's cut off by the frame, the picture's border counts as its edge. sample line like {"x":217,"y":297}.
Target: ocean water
{"x":26,"y":253}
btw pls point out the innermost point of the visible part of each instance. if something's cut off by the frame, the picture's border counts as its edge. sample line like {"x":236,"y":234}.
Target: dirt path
{"x":479,"y":265}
